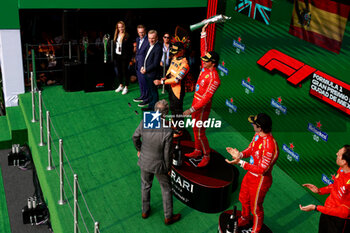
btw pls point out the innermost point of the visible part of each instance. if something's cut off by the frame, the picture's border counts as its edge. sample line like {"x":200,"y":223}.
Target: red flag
{"x":320,"y":22}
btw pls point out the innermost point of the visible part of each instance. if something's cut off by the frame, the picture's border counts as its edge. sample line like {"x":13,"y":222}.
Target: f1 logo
{"x":294,"y":69}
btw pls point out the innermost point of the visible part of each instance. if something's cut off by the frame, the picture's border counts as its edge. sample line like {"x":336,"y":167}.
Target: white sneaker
{"x":119,"y":89}
{"x":125,"y":90}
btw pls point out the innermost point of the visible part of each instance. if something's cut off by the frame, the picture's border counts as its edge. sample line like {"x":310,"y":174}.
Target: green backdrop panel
{"x":305,"y":156}
{"x":9,"y":18}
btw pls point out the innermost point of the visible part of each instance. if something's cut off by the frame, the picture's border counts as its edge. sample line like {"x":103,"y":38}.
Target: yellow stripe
{"x":256,"y":200}
{"x":211,"y":80}
{"x":323,"y":22}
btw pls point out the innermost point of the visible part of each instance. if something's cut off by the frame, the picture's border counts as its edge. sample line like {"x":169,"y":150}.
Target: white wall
{"x":11,"y":65}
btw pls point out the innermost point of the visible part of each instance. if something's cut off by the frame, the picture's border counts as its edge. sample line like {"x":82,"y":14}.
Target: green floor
{"x":96,"y":129}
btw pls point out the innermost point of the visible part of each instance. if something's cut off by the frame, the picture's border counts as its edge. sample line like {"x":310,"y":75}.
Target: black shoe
{"x":147,"y":109}
{"x":143,"y":104}
{"x":146,"y":215}
{"x":173,"y":219}
{"x":139,"y":99}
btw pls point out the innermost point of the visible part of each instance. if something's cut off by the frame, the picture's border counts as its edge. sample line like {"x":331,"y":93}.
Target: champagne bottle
{"x":232,"y":224}
{"x":11,"y":156}
{"x":21,"y":157}
{"x":235,"y":220}
{"x":177,"y":159}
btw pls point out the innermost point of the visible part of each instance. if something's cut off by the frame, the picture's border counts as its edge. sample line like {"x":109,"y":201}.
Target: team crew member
{"x":207,"y":84}
{"x":263,"y":153}
{"x":336,"y":210}
{"x":177,"y":71}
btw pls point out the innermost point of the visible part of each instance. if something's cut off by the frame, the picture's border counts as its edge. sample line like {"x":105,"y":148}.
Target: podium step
{"x":207,"y":189}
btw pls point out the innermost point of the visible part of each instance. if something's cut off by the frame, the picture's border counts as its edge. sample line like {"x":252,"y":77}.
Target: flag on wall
{"x":320,"y":22}
{"x":257,"y":9}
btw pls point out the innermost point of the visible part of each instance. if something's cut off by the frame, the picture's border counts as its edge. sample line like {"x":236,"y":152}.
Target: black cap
{"x":261,"y":120}
{"x":211,"y":56}
{"x":176,"y":47}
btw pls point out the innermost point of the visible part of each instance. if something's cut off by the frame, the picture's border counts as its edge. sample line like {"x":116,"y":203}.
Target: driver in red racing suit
{"x":207,"y":83}
{"x":335,"y":214}
{"x":263,"y":153}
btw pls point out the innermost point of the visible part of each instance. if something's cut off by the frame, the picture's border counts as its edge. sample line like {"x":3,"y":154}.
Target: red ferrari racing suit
{"x":338,"y":202}
{"x":207,"y":83}
{"x":263,"y":152}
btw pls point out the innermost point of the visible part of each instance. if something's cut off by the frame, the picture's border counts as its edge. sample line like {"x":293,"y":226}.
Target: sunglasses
{"x":166,"y":37}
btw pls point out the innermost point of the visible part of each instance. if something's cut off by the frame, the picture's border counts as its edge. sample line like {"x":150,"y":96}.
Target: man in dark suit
{"x":155,"y":153}
{"x":141,"y":50}
{"x":151,"y":68}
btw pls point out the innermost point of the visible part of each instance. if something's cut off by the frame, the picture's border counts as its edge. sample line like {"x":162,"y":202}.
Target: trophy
{"x":213,"y":19}
{"x":85,"y":43}
{"x":105,"y":43}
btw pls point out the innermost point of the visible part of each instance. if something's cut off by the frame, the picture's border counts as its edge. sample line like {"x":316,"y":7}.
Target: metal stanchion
{"x":75,"y":203}
{"x":61,"y":201}
{"x":33,"y":97}
{"x":41,"y":120}
{"x":97,"y":227}
{"x":49,"y":157}
{"x":34,"y":71}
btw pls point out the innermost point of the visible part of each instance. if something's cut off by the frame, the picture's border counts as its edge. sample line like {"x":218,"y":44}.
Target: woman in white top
{"x":123,"y":53}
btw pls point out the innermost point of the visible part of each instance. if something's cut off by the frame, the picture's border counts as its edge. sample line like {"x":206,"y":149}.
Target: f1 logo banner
{"x":323,"y":86}
{"x":294,"y":69}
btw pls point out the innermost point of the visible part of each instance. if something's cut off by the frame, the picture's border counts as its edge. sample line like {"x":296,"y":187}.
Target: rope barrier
{"x":44,"y":125}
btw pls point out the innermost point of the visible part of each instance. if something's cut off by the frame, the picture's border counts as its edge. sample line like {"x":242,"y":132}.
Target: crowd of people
{"x":154,"y":146}
{"x":150,"y":60}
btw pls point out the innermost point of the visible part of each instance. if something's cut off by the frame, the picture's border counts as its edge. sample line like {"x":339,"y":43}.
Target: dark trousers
{"x":121,"y":71}
{"x":143,"y":85}
{"x":332,"y":224}
{"x":176,"y":105}
{"x":165,"y":185}
{"x":152,"y":91}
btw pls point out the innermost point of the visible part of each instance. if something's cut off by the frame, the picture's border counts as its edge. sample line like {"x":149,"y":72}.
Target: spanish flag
{"x":321,"y":22}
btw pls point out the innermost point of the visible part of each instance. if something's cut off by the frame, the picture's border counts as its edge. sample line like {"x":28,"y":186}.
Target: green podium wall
{"x":309,"y":131}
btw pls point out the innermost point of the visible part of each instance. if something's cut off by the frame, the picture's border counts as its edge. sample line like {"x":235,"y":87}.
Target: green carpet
{"x":4,"y":217}
{"x":96,"y":129}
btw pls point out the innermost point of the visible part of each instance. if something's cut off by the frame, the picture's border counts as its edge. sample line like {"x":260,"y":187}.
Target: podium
{"x":207,"y":189}
{"x":98,"y":76}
